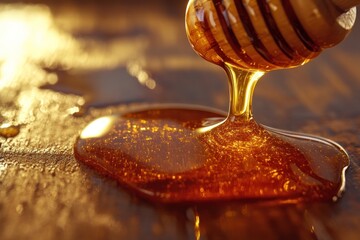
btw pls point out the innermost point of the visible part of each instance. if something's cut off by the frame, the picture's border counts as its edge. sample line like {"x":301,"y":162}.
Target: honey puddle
{"x":178,"y":154}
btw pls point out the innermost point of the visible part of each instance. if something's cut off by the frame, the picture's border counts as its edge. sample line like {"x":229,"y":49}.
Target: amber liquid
{"x":9,"y":131}
{"x":173,"y":154}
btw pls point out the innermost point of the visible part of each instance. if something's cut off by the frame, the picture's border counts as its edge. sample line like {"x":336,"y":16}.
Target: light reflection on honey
{"x":197,"y":226}
{"x":98,"y":128}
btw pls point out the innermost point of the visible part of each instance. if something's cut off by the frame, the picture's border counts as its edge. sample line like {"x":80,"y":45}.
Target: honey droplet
{"x":9,"y":131}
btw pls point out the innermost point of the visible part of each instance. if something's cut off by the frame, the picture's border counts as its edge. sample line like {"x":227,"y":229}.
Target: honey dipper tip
{"x":266,"y":35}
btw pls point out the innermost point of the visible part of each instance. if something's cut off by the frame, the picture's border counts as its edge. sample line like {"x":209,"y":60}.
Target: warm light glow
{"x":136,"y":69}
{"x":197,"y":226}
{"x":27,"y":35}
{"x":30,"y":40}
{"x":98,"y":127}
{"x":73,"y":110}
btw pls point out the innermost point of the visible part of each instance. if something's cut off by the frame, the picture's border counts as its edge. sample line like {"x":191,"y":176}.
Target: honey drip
{"x":178,"y":154}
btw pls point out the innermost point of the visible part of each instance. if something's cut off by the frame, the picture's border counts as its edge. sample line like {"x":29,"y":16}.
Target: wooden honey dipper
{"x":267,"y":34}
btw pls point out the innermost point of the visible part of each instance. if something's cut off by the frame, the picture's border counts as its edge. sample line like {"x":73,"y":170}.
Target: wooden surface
{"x":64,"y":64}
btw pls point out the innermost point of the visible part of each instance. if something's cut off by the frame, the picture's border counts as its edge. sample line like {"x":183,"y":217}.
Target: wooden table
{"x":64,"y":64}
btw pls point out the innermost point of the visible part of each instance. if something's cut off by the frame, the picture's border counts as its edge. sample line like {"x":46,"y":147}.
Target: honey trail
{"x":182,"y":154}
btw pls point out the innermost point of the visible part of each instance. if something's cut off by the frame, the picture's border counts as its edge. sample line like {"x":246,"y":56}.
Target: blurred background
{"x":64,"y":63}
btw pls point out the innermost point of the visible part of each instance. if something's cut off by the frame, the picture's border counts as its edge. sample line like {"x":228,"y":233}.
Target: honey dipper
{"x":267,"y":34}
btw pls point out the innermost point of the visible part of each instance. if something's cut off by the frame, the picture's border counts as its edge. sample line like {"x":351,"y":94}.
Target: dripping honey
{"x":181,"y":154}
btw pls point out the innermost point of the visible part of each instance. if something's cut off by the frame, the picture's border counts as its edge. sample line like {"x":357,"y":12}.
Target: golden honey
{"x":174,"y":154}
{"x":183,"y":154}
{"x":9,"y":131}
